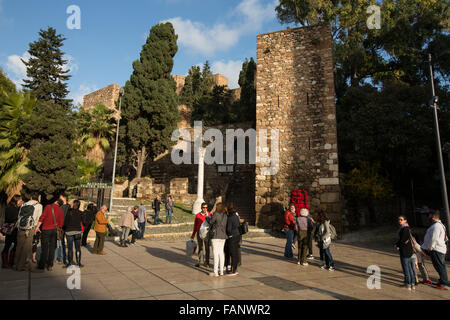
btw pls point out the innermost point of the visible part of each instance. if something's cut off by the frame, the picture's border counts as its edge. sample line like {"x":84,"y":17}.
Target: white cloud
{"x":83,"y":90}
{"x":248,"y":17}
{"x":229,"y":69}
{"x":16,"y":69}
{"x":200,"y":38}
{"x":70,"y":65}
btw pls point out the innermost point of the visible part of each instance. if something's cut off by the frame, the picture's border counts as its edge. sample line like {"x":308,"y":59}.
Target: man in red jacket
{"x":51,"y":217}
{"x":203,"y":257}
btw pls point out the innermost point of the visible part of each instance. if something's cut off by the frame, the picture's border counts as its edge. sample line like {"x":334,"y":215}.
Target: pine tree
{"x":49,"y":133}
{"x":150,"y":102}
{"x":45,"y":68}
{"x":248,"y":90}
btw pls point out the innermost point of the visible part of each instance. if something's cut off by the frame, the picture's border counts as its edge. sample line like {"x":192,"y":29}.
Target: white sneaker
{"x":298,"y":262}
{"x":331,"y":269}
{"x":310,"y":257}
{"x":305,"y":264}
{"x":323,"y":266}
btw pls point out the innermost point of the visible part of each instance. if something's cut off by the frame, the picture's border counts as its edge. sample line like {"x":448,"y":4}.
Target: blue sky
{"x":112,"y":34}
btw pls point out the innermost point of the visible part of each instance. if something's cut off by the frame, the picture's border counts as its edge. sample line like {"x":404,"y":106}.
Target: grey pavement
{"x":160,"y":270}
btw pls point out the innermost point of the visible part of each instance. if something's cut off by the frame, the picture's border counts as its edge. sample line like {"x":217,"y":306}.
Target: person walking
{"x":420,"y":262}
{"x":434,"y":245}
{"x":51,"y":219}
{"x":203,"y":244}
{"x":218,"y":237}
{"x":157,"y":206}
{"x":169,"y":209}
{"x":324,"y":240}
{"x":25,"y":234}
{"x":289,"y":230}
{"x":405,"y":247}
{"x":88,"y":218}
{"x":100,"y":230}
{"x":73,"y":225}
{"x":11,"y":216}
{"x":135,"y":230}
{"x":303,"y":225}
{"x":234,"y":237}
{"x":62,"y":256}
{"x":127,"y":224}
{"x":310,"y":255}
{"x":142,"y":219}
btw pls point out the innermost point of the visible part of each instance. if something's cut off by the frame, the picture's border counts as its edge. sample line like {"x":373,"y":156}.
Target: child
{"x":420,"y":262}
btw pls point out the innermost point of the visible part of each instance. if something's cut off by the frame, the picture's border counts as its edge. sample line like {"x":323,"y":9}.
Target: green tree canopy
{"x":150,"y":103}
{"x":46,"y":69}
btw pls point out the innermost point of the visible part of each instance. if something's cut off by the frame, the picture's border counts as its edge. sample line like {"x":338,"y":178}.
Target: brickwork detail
{"x":295,"y":94}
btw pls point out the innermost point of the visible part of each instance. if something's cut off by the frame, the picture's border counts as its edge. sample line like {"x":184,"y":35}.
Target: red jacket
{"x":47,"y":217}
{"x":199,"y":218}
{"x":289,"y":220}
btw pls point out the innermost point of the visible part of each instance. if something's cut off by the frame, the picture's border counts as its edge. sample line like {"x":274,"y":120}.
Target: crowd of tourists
{"x":301,"y":228}
{"x":224,"y":234}
{"x":413,"y":255}
{"x":49,"y":234}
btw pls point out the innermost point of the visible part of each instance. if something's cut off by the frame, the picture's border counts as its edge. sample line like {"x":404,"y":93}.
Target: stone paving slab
{"x":160,"y":270}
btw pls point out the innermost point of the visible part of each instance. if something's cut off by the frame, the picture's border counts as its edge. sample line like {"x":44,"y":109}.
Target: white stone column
{"x":197,"y":207}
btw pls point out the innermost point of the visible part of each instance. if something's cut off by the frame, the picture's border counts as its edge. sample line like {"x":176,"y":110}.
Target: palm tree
{"x":13,"y":157}
{"x":88,"y":170}
{"x":96,"y":127}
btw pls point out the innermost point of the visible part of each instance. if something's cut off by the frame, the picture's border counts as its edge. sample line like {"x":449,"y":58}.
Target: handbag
{"x":59,"y":231}
{"x":243,"y":228}
{"x":7,"y":229}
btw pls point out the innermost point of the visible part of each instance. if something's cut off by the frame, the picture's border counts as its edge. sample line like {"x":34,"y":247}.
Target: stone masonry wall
{"x":295,"y":94}
{"x":107,"y":96}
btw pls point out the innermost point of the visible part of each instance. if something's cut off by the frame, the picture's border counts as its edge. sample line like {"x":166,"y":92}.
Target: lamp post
{"x":115,"y":150}
{"x":196,"y":207}
{"x":434,"y":105}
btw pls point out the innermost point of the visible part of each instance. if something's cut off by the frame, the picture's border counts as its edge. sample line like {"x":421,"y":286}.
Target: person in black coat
{"x":88,"y":216}
{"x":157,"y":207}
{"x":11,"y":216}
{"x":234,"y":237}
{"x":72,"y":228}
{"x":405,"y":248}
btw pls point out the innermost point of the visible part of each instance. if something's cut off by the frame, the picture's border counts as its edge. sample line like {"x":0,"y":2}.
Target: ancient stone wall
{"x":295,"y":94}
{"x":106,"y":96}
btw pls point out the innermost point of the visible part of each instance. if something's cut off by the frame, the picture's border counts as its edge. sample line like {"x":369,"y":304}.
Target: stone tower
{"x":295,"y":94}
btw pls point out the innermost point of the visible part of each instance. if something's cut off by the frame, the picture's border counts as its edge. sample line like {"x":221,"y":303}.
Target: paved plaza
{"x":161,"y":270}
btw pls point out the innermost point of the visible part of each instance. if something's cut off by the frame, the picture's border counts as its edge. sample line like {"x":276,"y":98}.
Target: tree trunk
{"x":142,"y":156}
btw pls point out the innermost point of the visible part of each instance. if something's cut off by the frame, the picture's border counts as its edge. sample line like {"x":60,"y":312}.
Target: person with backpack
{"x":203,"y":244}
{"x":325,"y":233}
{"x":28,"y":218}
{"x":303,"y":225}
{"x":434,"y":245}
{"x":218,"y":229}
{"x":73,"y":225}
{"x":88,"y":217}
{"x":9,"y":229}
{"x":405,"y":247}
{"x":156,"y":205}
{"x":169,"y":209}
{"x":289,"y":230}
{"x":233,"y":238}
{"x":51,"y":220}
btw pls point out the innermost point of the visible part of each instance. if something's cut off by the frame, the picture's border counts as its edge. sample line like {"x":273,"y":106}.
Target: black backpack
{"x":25,"y":220}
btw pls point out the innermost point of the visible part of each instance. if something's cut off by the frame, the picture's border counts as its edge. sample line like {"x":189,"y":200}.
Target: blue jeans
{"x":70,"y":241}
{"x":326,"y":253}
{"x":141,"y":230}
{"x":156,"y":217}
{"x":169,"y":215}
{"x":60,"y":251}
{"x":438,"y":260}
{"x":289,"y":237}
{"x":408,"y":270}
